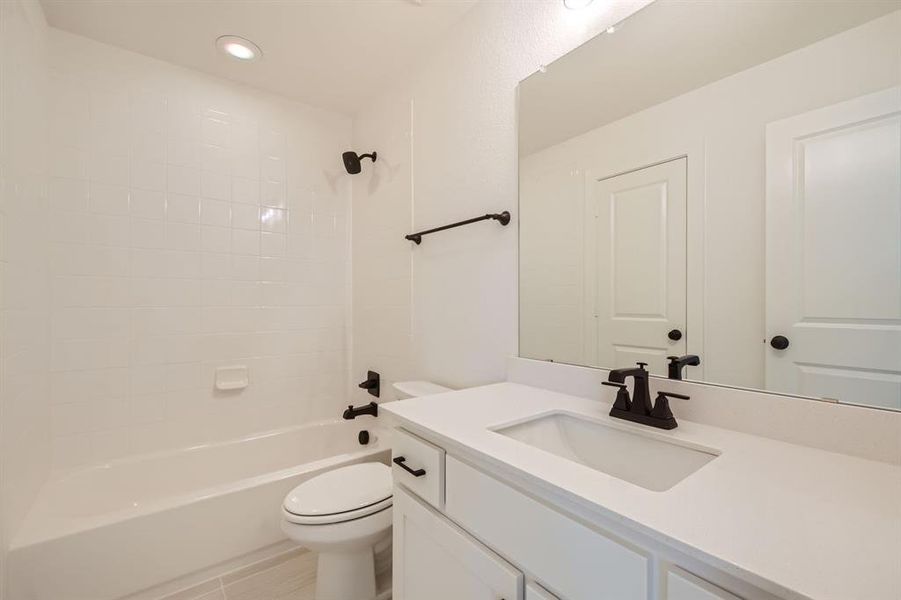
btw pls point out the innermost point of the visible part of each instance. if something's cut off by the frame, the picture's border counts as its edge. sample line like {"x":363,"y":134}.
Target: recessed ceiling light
{"x":576,"y":4}
{"x":238,"y":47}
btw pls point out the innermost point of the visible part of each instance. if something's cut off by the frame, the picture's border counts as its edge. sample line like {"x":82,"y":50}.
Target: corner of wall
{"x":24,"y":266}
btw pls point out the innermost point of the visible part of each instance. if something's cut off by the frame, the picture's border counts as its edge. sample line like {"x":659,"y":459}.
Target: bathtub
{"x":107,"y":531}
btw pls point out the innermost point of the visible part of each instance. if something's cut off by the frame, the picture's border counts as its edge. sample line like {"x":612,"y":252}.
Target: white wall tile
{"x":245,"y":242}
{"x":274,"y":219}
{"x":215,"y":239}
{"x":67,"y":194}
{"x":215,"y":185}
{"x":246,"y":190}
{"x":148,"y":175}
{"x":215,"y":212}
{"x":183,"y":180}
{"x":148,"y":204}
{"x":245,"y":216}
{"x":157,"y":279}
{"x":109,"y":199}
{"x":185,"y":209}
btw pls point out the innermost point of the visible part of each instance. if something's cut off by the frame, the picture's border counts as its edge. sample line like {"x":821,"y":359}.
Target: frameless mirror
{"x":720,"y":182}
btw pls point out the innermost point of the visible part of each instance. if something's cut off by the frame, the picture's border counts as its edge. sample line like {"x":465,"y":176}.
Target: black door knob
{"x":674,"y":335}
{"x":779,"y":342}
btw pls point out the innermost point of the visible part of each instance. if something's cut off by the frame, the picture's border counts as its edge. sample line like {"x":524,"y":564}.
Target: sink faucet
{"x":678,"y":363}
{"x":639,"y":409}
{"x":641,"y":391}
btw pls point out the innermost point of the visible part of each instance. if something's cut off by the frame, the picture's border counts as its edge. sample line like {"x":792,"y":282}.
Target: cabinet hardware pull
{"x":399,"y":461}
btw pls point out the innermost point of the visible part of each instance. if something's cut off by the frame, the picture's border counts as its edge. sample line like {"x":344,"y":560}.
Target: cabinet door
{"x":536,"y":592}
{"x":681,"y":585}
{"x":435,"y":559}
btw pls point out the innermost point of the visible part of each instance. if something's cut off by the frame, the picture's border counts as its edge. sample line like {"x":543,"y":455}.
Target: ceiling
{"x":330,"y":53}
{"x":667,"y":49}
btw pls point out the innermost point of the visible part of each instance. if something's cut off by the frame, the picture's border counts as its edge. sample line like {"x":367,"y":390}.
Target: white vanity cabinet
{"x":434,"y":559}
{"x":460,"y":532}
{"x":685,"y":586}
{"x":536,"y":592}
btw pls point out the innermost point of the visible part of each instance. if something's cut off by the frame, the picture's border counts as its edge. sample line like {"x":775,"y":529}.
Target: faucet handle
{"x":661,"y":411}
{"x":641,"y":365}
{"x":673,"y":395}
{"x":623,"y":401}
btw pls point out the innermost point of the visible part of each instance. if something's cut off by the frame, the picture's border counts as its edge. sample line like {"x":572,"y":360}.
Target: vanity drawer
{"x":419,"y":466}
{"x":681,"y":585}
{"x":577,"y":562}
{"x":536,"y":592}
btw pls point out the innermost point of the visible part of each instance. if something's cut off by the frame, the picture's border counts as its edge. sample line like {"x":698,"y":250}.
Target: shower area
{"x":175,"y":292}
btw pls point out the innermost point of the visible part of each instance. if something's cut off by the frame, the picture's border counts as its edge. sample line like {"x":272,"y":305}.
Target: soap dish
{"x":232,"y":378}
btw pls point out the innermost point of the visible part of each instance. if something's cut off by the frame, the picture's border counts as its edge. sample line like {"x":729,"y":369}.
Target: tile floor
{"x":288,"y":576}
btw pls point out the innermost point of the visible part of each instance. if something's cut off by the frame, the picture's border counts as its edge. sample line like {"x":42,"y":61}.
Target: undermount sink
{"x":644,"y":460}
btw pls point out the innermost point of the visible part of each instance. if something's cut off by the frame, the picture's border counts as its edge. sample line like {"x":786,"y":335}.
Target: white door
{"x":834,"y":252}
{"x":636,"y":267}
{"x":435,"y":559}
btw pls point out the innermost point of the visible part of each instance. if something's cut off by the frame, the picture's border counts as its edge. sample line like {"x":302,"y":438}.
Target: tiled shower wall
{"x":24,"y":278}
{"x":195,"y":224}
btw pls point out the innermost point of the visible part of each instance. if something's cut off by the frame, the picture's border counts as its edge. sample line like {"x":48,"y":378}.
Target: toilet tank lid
{"x":415,"y":389}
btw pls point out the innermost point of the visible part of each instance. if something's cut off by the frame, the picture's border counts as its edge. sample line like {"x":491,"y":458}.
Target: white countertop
{"x":787,"y":518}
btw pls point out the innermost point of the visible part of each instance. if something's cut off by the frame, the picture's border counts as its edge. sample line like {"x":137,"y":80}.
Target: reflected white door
{"x":834,"y":251}
{"x":636,"y":269}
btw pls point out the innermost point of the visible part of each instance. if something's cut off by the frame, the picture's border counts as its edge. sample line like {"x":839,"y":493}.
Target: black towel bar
{"x":502,"y":218}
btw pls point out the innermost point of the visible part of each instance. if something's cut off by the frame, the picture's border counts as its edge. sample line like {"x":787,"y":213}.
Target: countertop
{"x":795,"y":521}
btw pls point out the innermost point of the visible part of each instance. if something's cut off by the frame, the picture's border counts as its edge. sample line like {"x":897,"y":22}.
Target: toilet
{"x":343,"y":515}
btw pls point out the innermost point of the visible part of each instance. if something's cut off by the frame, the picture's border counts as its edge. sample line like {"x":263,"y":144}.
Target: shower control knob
{"x":779,"y":342}
{"x":674,"y":335}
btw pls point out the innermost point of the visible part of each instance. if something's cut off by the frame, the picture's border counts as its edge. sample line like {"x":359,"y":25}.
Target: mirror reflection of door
{"x":635,"y":267}
{"x":834,"y":251}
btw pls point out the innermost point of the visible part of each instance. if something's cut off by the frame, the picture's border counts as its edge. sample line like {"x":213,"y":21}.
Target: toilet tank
{"x":414,"y":389}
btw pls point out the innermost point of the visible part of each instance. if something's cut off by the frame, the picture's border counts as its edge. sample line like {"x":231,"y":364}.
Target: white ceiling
{"x":330,"y":53}
{"x":667,"y":49}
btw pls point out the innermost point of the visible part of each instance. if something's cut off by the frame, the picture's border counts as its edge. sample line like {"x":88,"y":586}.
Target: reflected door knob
{"x":779,"y":342}
{"x":674,"y":335}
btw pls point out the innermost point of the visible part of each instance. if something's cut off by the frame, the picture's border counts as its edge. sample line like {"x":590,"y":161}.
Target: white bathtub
{"x":103,"y":532}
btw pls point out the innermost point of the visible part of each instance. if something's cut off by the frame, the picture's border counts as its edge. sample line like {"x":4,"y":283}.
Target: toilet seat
{"x":340,"y":495}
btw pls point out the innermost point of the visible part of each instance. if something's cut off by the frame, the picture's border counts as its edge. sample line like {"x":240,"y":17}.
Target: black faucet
{"x":353,"y":412}
{"x":677,"y":363}
{"x":641,"y":401}
{"x":639,"y":409}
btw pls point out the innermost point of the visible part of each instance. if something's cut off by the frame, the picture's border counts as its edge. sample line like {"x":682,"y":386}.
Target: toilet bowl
{"x":343,"y":515}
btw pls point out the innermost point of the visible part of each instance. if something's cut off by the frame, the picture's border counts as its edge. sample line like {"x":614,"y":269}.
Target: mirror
{"x":721,"y":180}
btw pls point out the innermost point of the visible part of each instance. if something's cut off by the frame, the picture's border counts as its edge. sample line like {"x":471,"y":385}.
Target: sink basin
{"x":644,"y":460}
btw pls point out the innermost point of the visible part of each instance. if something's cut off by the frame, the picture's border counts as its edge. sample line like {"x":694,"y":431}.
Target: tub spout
{"x":369,"y":409}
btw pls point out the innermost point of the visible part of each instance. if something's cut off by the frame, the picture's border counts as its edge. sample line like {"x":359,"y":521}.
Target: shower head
{"x":352,"y":161}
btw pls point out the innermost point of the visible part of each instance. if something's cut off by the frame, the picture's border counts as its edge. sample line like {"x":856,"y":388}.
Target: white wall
{"x":721,"y":128}
{"x":382,"y":334}
{"x":24,"y":279}
{"x":461,"y":107}
{"x":195,"y":223}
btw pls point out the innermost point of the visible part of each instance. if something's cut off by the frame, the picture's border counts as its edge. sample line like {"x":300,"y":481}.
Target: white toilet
{"x":343,"y":514}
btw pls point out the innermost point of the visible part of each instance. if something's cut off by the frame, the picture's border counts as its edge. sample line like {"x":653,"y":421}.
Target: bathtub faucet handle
{"x":372,"y":383}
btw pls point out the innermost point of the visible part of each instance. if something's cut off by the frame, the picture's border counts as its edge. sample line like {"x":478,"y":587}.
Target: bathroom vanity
{"x":507,"y":492}
{"x":714,"y":195}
